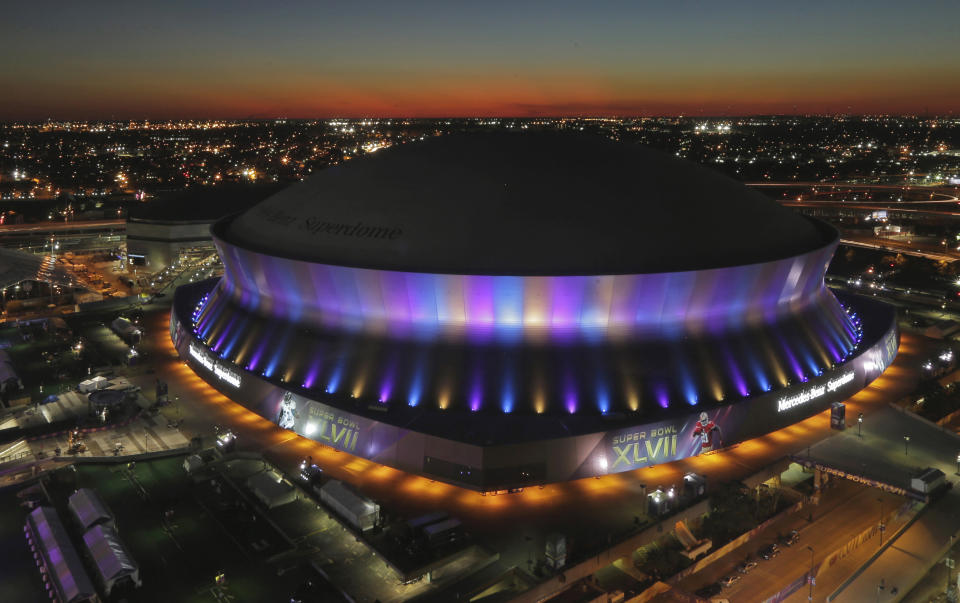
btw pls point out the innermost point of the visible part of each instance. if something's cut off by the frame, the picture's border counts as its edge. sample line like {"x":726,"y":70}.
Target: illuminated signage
{"x":657,"y":444}
{"x":225,"y":374}
{"x":863,"y":480}
{"x":325,"y":426}
{"x":646,"y":452}
{"x":879,"y":358}
{"x":222,"y":372}
{"x":317,"y":422}
{"x":813,"y":392}
{"x":201,"y":357}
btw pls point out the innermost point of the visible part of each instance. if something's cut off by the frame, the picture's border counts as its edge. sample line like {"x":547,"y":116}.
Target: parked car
{"x":791,"y":539}
{"x":730,"y":580}
{"x":710,"y":590}
{"x":769,"y":552}
{"x":746,"y":566}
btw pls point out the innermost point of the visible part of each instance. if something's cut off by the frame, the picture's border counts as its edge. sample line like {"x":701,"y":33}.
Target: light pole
{"x":906,"y":445}
{"x":810,"y":596}
{"x":958,"y":463}
{"x":949,"y":563}
{"x":860,"y":424}
{"x":880,"y":500}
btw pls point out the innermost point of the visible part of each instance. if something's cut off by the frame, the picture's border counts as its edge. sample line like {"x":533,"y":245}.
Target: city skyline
{"x":247,"y":60}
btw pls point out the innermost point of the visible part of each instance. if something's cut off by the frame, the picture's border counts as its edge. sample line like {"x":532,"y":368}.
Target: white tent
{"x":272,"y":489}
{"x":69,"y":579}
{"x":17,"y":266}
{"x":89,"y":509}
{"x":362,"y":513}
{"x":192,"y":463}
{"x":90,"y":385}
{"x":8,"y":376}
{"x":125,"y":329}
{"x":113,"y":561}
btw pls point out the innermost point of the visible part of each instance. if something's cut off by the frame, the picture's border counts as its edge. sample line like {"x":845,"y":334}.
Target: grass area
{"x":180,"y":543}
{"x":734,"y":510}
{"x":933,"y":402}
{"x":50,"y":360}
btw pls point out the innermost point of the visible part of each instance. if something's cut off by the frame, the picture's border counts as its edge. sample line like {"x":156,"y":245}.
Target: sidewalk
{"x":904,"y":563}
{"x":932,"y":587}
{"x":830,"y":579}
{"x":145,"y":434}
{"x":839,"y":517}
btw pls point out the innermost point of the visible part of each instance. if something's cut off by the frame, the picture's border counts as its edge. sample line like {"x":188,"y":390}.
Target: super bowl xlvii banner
{"x":334,"y":427}
{"x":317,"y":422}
{"x":712,"y":429}
{"x":667,"y":441}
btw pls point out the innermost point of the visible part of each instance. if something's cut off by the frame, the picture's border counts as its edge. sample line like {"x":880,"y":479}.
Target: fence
{"x":733,"y":544}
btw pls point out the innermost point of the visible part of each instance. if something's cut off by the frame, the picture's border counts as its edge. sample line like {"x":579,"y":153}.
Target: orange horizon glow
{"x":299,"y":59}
{"x":482,"y":98}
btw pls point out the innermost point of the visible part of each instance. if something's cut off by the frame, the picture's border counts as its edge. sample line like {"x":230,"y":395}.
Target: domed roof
{"x":524,"y":204}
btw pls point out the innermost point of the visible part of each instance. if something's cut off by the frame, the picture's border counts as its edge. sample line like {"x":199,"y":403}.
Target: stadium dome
{"x":495,"y":310}
{"x":525,"y":204}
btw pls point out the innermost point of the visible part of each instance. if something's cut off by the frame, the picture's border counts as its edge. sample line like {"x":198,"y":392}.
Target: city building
{"x":501,"y":310}
{"x":176,"y":226}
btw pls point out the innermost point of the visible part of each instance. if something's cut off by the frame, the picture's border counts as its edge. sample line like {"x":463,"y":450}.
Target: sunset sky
{"x":73,"y":60}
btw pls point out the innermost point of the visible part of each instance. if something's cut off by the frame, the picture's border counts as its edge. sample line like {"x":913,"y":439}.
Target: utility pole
{"x":948,"y":561}
{"x":880,"y":500}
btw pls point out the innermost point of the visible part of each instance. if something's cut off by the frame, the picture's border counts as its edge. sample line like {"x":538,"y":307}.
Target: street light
{"x":906,"y":445}
{"x":860,"y":424}
{"x":880,"y":500}
{"x":810,"y":596}
{"x":948,"y":561}
{"x":958,"y":463}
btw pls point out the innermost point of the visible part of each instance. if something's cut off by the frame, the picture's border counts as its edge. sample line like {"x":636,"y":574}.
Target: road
{"x":925,"y":250}
{"x":934,"y":584}
{"x":905,"y":563}
{"x":943,"y":194}
{"x":850,"y":186}
{"x":45,"y":227}
{"x":883,"y":453}
{"x":843,"y":513}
